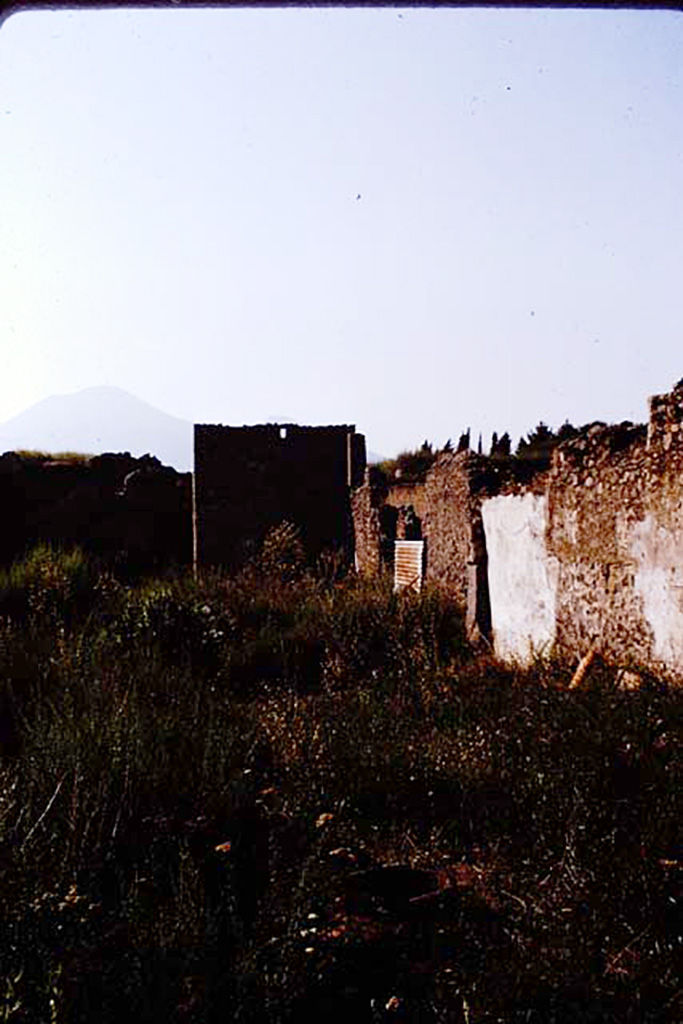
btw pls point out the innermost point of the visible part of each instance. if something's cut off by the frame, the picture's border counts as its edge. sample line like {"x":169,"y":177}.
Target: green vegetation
{"x":410,"y":466}
{"x":539,"y":443}
{"x":537,"y":447}
{"x":40,"y":456}
{"x":200,"y":782}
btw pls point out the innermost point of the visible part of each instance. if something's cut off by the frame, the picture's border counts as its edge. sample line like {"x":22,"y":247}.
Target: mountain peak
{"x":98,"y":419}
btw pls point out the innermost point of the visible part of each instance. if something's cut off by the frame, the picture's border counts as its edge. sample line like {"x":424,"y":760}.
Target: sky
{"x":414,"y":220}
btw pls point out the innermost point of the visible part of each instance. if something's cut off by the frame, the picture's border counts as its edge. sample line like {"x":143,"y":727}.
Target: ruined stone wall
{"x":447,"y":523}
{"x":366,"y":504}
{"x":132,"y":512}
{"x":404,"y":495}
{"x":587,"y":553}
{"x":597,"y":560}
{"x":656,"y":539}
{"x":456,"y":553}
{"x":249,"y":479}
{"x":561,"y":566}
{"x":597,"y":491}
{"x":448,"y":505}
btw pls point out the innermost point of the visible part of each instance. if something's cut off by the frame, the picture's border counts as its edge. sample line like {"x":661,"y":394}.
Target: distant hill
{"x":100,"y":419}
{"x":105,"y":419}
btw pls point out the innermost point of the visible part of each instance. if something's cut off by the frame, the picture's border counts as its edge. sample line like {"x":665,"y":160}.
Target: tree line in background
{"x":537,"y":447}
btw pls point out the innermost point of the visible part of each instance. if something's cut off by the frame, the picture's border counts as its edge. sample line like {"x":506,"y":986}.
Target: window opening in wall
{"x":283,"y":433}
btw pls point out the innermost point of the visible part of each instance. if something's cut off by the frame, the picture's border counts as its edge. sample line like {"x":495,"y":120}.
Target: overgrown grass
{"x":202,"y":781}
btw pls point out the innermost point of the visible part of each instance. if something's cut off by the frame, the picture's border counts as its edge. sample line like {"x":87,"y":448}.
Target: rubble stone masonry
{"x":599,"y":560}
{"x":586,"y":554}
{"x":448,"y":506}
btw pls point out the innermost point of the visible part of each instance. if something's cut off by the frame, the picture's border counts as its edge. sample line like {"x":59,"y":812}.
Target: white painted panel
{"x":522,"y":576}
{"x":408,"y":560}
{"x":658,"y":554}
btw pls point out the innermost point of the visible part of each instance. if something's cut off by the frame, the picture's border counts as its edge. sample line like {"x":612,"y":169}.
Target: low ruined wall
{"x":133,"y":512}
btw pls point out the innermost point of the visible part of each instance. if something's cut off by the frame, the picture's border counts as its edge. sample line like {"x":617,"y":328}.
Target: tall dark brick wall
{"x":249,"y":479}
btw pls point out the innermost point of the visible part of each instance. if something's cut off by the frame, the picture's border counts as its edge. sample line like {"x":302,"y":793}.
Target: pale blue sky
{"x":414,"y":220}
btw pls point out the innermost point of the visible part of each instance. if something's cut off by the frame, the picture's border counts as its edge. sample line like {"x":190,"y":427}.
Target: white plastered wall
{"x":658,"y":555}
{"x":522,"y":576}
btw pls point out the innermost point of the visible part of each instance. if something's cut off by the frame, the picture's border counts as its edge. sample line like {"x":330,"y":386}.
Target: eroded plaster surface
{"x":658,"y":556}
{"x":522,"y":575}
{"x":585,"y":553}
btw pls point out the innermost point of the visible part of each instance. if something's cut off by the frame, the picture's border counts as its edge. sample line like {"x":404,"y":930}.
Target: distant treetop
{"x":538,"y":445}
{"x":410,"y":466}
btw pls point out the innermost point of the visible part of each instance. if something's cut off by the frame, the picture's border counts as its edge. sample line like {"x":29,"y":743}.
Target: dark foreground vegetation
{"x":289,"y":796}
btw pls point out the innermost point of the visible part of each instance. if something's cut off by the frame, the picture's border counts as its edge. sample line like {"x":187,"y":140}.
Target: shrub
{"x":410,"y":466}
{"x":175,"y":620}
{"x":48,"y":585}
